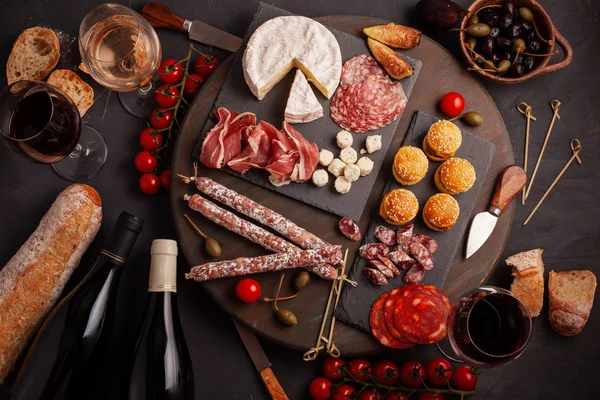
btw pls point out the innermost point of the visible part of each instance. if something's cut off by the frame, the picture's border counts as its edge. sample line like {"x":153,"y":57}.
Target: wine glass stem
{"x":78,"y":151}
{"x":144,"y":90}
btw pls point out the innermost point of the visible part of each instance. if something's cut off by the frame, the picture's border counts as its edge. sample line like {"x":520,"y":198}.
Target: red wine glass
{"x":41,"y":123}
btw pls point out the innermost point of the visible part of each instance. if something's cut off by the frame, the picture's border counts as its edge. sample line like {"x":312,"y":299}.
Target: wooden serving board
{"x":235,"y":96}
{"x":441,"y":73}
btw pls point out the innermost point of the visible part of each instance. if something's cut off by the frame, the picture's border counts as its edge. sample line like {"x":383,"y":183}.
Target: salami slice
{"x":398,"y":256}
{"x":422,"y":255}
{"x":389,"y":265}
{"x":372,"y":251}
{"x":404,"y":236}
{"x":379,"y":328}
{"x":388,"y":313}
{"x":388,"y":273}
{"x":414,"y":274}
{"x":359,"y":68}
{"x":385,"y":235}
{"x":350,"y":229}
{"x":375,"y":276}
{"x":429,"y":243}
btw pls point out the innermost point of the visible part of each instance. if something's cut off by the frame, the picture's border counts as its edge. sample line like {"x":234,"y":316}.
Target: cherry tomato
{"x":431,"y":396}
{"x":343,"y":392}
{"x":192,"y":84}
{"x":165,"y":180}
{"x":360,"y":369}
{"x":166,"y":96}
{"x":433,"y":374}
{"x":385,"y":372}
{"x":170,"y":71}
{"x":247,"y":290}
{"x":409,"y":374}
{"x":370,"y":394}
{"x":332,"y":368}
{"x":145,"y":162}
{"x":452,"y":104}
{"x":396,"y":396}
{"x":206,"y":64}
{"x":320,"y":388}
{"x":161,"y":119}
{"x":149,"y":142}
{"x":149,"y":183}
{"x":464,"y":378}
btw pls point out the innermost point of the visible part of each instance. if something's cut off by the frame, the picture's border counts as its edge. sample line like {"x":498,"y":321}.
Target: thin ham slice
{"x":258,"y":150}
{"x":308,"y":155}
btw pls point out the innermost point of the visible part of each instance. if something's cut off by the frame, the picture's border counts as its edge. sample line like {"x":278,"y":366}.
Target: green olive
{"x":212,"y":247}
{"x":526,"y":14}
{"x":301,"y":280}
{"x":287,"y":317}
{"x":471,"y":42}
{"x":474,"y":19}
{"x":503,"y":67}
{"x":473,"y":118}
{"x":519,"y":45}
{"x":478,"y":30}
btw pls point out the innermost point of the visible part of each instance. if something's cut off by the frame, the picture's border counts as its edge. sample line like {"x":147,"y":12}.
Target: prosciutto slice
{"x":257,"y":152}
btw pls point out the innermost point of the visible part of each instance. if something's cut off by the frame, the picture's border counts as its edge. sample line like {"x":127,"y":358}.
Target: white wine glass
{"x":122,"y":52}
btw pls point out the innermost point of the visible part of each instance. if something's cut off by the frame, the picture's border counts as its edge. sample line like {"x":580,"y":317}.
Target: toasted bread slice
{"x":396,"y":36}
{"x":34,"y":54}
{"x":396,"y":66}
{"x":528,"y":285}
{"x":571,"y":295}
{"x":69,"y":82}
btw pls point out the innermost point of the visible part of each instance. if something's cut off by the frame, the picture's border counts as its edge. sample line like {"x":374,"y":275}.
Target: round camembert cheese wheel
{"x":302,"y":105}
{"x":282,"y":43}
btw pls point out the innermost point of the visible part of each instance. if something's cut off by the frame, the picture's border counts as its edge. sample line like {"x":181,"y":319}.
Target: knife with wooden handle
{"x":161,"y":16}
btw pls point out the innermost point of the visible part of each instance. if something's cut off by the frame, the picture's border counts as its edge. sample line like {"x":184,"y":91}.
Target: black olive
{"x":527,"y":25}
{"x":494,"y":32}
{"x":510,"y":8}
{"x":489,"y":16}
{"x":507,"y":55}
{"x":519,"y":59}
{"x":529,"y":62}
{"x":505,"y":21}
{"x":503,"y":42}
{"x":496,"y":58}
{"x":529,"y":35}
{"x":517,"y":70}
{"x":480,"y":61}
{"x":514,"y":31}
{"x":534,"y":46}
{"x":487,"y":45}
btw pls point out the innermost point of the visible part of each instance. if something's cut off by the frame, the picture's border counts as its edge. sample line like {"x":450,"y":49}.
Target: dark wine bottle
{"x":68,"y":357}
{"x":162,"y":368}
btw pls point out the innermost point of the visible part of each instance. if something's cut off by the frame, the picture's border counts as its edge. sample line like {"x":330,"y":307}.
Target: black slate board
{"x":236,"y":96}
{"x":355,"y":303}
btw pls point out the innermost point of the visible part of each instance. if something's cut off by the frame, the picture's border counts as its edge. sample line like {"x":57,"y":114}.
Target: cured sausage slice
{"x":359,"y":68}
{"x":389,"y":265}
{"x":422,"y":255}
{"x":350,"y":229}
{"x":429,"y":243}
{"x":401,"y":259}
{"x":372,"y":251}
{"x":375,"y":276}
{"x":388,"y":313}
{"x":379,"y":328}
{"x":385,"y":235}
{"x":404,"y":237}
{"x":388,"y":273}
{"x":414,"y":274}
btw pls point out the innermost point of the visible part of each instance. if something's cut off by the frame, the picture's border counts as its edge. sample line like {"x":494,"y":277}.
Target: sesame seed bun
{"x":399,"y":207}
{"x":455,"y":176}
{"x":410,"y":165}
{"x":441,"y":212}
{"x":442,"y":140}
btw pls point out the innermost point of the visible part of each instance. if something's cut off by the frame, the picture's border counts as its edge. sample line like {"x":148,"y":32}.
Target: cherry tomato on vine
{"x":343,"y":392}
{"x":452,"y":104}
{"x":161,"y":119}
{"x":149,"y":183}
{"x":464,"y":379}
{"x":166,"y":96}
{"x":247,"y":290}
{"x":170,"y":71}
{"x":433,"y":374}
{"x":332,"y":368}
{"x":145,"y":162}
{"x":409,"y":374}
{"x":431,"y":396}
{"x":396,"y":396}
{"x":370,"y":394}
{"x":149,"y":142}
{"x":320,"y":388}
{"x":192,"y":84}
{"x":206,"y":64}
{"x":385,"y":372}
{"x":165,"y":179}
{"x":360,"y":369}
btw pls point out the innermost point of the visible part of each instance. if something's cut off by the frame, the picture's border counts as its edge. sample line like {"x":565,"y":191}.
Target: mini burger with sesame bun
{"x":441,"y":212}
{"x":399,"y":207}
{"x":454,"y":176}
{"x":442,"y":141}
{"x":410,"y":165}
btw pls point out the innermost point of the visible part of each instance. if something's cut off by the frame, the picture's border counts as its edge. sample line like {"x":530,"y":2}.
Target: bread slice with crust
{"x":69,"y":82}
{"x":34,"y":54}
{"x":571,"y":295}
{"x":528,"y":285}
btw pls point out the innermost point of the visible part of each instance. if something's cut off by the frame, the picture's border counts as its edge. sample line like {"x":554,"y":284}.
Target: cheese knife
{"x":261,"y":362}
{"x":511,"y":181}
{"x":161,"y":16}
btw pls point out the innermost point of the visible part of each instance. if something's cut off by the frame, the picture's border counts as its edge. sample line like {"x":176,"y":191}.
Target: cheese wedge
{"x":283,"y":43}
{"x":302,"y":105}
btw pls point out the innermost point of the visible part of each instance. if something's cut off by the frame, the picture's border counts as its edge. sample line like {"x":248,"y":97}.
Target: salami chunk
{"x":350,"y":229}
{"x":398,"y":256}
{"x":422,"y":255}
{"x":414,"y":274}
{"x":404,"y":237}
{"x":372,"y":251}
{"x":375,"y":276}
{"x":385,"y":235}
{"x":388,"y":313}
{"x":382,"y":268}
{"x":359,"y":68}
{"x":429,"y":243}
{"x":379,"y":327}
{"x":389,"y":265}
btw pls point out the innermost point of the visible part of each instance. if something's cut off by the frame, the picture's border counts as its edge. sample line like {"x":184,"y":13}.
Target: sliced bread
{"x":34,"y":54}
{"x":528,"y":284}
{"x":69,"y":82}
{"x":571,"y":295}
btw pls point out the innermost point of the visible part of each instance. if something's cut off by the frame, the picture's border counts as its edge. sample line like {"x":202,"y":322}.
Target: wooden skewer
{"x":331,"y":348}
{"x":555,"y":106}
{"x":576,"y":148}
{"x":527,"y":113}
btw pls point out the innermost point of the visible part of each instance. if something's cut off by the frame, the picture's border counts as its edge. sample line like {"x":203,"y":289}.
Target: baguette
{"x":35,"y":276}
{"x":396,"y":66}
{"x":571,"y":295}
{"x":528,"y":284}
{"x":34,"y":54}
{"x":69,"y":82}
